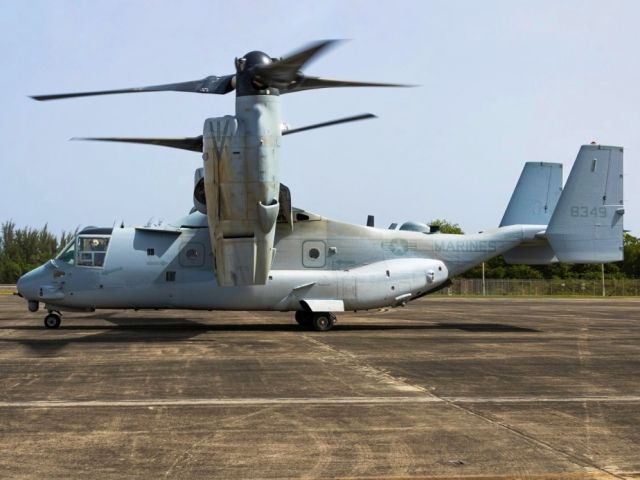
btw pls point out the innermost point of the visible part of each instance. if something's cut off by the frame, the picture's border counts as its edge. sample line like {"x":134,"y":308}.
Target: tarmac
{"x":474,"y":388}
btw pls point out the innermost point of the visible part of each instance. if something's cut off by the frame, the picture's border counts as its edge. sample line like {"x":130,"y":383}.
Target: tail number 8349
{"x":583,"y":211}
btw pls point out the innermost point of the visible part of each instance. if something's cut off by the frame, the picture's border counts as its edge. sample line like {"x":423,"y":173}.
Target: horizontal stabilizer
{"x":586,"y":226}
{"x":538,"y":252}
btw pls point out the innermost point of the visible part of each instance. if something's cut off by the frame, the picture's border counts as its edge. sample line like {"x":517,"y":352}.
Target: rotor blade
{"x":212,"y":84}
{"x":188,"y":143}
{"x":309,"y":83}
{"x":355,"y":118}
{"x":303,"y":56}
{"x":195,"y":144}
{"x":283,"y":71}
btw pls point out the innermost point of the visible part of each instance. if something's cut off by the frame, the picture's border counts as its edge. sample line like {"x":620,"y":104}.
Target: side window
{"x":192,"y":255}
{"x":92,"y":251}
{"x":313,"y":254}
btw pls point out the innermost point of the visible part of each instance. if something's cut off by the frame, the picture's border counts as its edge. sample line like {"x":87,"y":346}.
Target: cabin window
{"x":313,"y":254}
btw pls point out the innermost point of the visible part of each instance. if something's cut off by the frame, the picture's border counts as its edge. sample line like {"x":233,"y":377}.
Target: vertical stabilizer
{"x":535,"y":196}
{"x":586,"y":226}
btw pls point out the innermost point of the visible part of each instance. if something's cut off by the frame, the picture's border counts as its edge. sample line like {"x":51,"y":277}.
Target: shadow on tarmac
{"x":184,"y":325}
{"x":132,"y":330}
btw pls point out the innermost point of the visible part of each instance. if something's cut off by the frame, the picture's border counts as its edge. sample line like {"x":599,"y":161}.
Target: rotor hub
{"x":253,"y":59}
{"x":248,"y":80}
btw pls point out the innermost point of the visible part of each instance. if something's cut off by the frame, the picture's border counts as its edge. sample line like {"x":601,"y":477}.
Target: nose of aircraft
{"x":23,"y":286}
{"x":28,"y":284}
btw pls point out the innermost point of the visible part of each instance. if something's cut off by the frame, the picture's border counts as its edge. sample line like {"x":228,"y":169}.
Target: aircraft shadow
{"x":183,"y":325}
{"x":485,"y":327}
{"x":123,"y":330}
{"x":131,"y":330}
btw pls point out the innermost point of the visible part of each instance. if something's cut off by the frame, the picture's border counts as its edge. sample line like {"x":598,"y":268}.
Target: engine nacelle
{"x":199,"y":197}
{"x":242,"y":186}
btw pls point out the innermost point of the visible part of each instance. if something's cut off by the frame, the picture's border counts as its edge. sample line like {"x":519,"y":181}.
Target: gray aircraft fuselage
{"x":322,"y":265}
{"x":245,"y":248}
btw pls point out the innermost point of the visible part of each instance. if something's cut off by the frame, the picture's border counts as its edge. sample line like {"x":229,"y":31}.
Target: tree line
{"x":23,"y":249}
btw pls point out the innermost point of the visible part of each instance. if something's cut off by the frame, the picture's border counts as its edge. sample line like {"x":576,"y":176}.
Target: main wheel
{"x":303,"y":318}
{"x":323,"y":321}
{"x":52,"y":320}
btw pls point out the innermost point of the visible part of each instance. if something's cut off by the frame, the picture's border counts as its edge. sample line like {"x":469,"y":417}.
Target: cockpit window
{"x":91,"y":250}
{"x":68,"y":254}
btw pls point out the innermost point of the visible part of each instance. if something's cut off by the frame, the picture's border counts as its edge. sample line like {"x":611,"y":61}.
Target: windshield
{"x":68,"y":254}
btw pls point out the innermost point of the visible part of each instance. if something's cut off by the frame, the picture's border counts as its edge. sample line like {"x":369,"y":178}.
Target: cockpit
{"x":87,"y":249}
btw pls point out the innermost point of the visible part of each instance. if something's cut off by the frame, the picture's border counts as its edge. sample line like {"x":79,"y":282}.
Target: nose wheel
{"x":52,"y":320}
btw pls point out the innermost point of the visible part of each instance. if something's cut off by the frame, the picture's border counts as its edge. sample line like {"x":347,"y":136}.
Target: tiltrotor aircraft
{"x":244,"y":247}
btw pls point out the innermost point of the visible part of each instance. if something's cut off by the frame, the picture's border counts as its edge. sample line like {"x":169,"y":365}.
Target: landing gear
{"x":318,"y":321}
{"x":52,"y":320}
{"x":323,"y":321}
{"x":304,"y":318}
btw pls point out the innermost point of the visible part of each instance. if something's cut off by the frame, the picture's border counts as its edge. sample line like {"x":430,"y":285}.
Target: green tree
{"x":24,"y":249}
{"x":630,"y":266}
{"x":447,"y":227}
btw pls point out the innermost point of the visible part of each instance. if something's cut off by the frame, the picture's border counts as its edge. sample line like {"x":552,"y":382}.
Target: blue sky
{"x":501,"y":83}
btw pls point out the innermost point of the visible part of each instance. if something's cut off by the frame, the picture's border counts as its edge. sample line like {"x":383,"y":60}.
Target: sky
{"x":500,"y":83}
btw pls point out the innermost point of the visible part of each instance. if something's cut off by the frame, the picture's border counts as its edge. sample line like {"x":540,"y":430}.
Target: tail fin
{"x":586,"y":226}
{"x":532,"y":203}
{"x":535,"y":196}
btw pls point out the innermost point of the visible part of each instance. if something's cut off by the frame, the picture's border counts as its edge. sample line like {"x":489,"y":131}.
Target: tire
{"x":52,"y":320}
{"x":303,"y":318}
{"x":323,"y":321}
